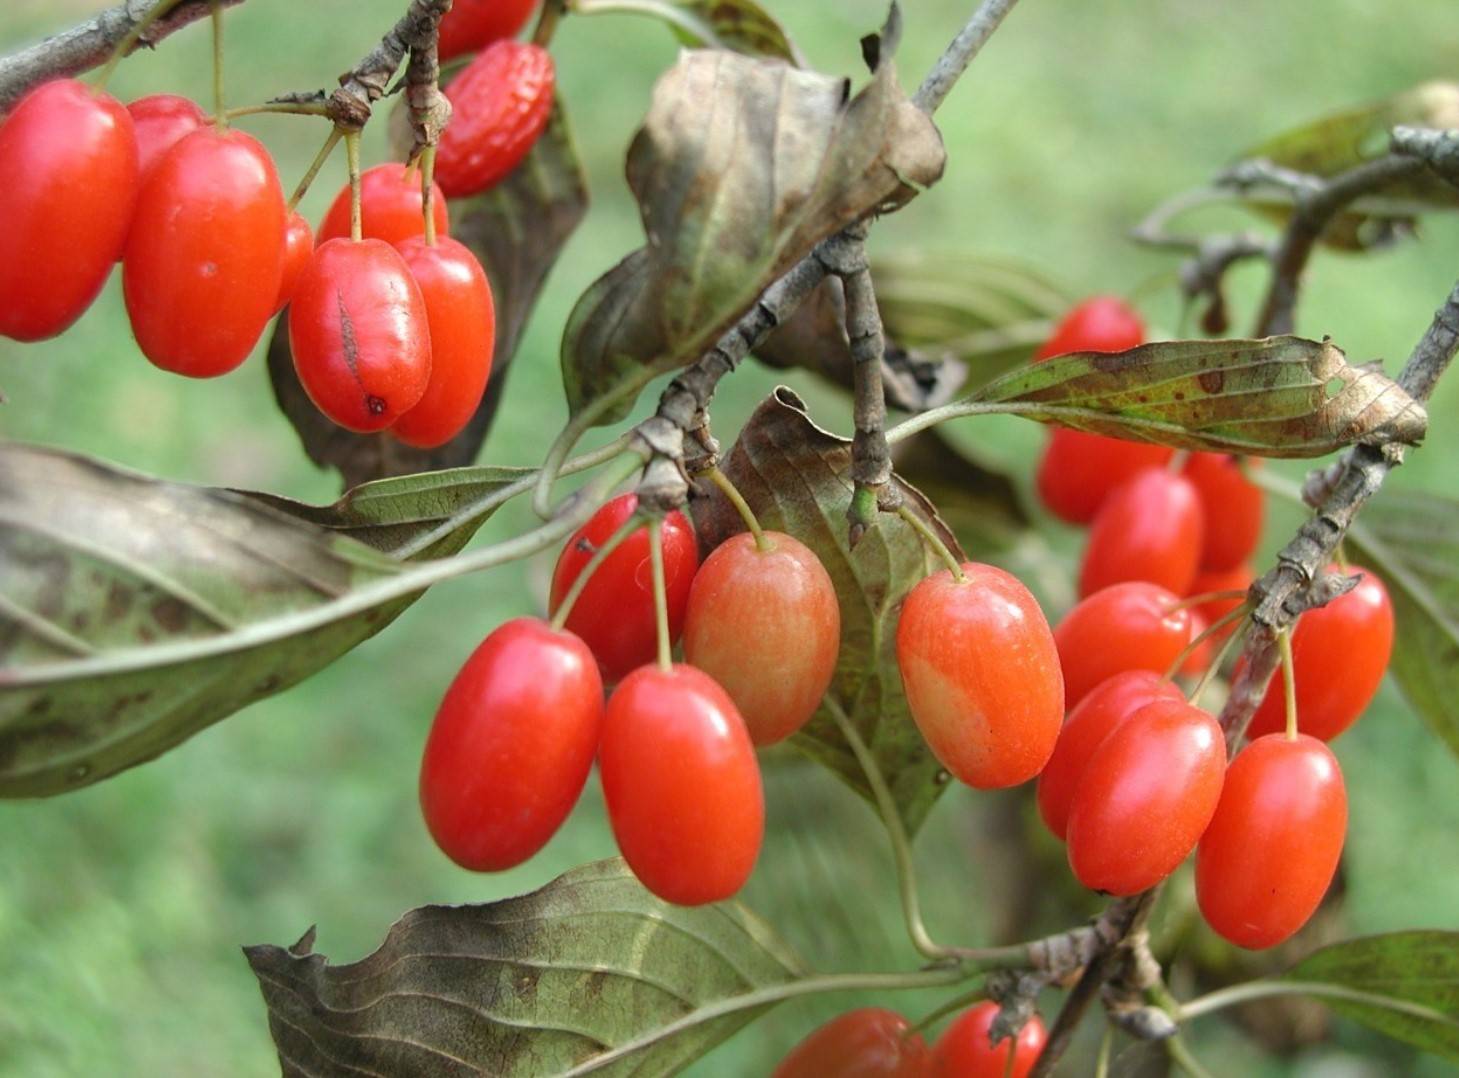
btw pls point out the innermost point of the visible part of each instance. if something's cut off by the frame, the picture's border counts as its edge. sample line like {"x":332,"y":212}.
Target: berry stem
{"x":279,"y":108}
{"x":934,"y":541}
{"x":220,"y":112}
{"x":1191,"y":648}
{"x":730,"y":491}
{"x":128,"y":43}
{"x":322,"y":156}
{"x":427,"y":197}
{"x":547,"y":23}
{"x":1177,"y":461}
{"x":352,"y":156}
{"x":1101,"y":1062}
{"x":564,"y":609}
{"x":1180,"y":1054}
{"x":1289,"y":681}
{"x":1216,"y":663}
{"x":952,"y":1006}
{"x":661,"y":593}
{"x":1206,"y":597}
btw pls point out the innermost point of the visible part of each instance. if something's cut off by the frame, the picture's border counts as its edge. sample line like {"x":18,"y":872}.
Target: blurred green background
{"x":122,"y":907}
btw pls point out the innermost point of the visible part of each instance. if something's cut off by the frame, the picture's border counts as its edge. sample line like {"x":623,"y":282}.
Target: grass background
{"x":122,"y":906}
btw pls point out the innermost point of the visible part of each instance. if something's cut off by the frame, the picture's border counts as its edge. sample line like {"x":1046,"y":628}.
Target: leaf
{"x":740,"y":25}
{"x":1411,"y":979}
{"x":136,"y":612}
{"x":526,"y":986}
{"x":741,"y":167}
{"x":1277,"y":397}
{"x":517,"y":230}
{"x":797,"y":479}
{"x":1412,"y":542}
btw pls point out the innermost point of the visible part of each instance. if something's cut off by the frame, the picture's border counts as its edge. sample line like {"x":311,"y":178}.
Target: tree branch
{"x":955,"y":60}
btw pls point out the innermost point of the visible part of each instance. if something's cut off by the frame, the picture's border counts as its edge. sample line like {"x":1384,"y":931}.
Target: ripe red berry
{"x":965,"y":1049}
{"x":298,"y":249}
{"x":1149,"y":529}
{"x":982,"y":676}
{"x":1273,"y":846}
{"x":866,"y":1043}
{"x":1106,"y":706}
{"x":1099,"y":324}
{"x":471,"y":24}
{"x":68,"y":170}
{"x":511,"y":746}
{"x":1233,"y":508}
{"x":463,"y":332}
{"x":205,"y":254}
{"x":1213,"y":610}
{"x":161,"y":121}
{"x":1125,"y":627}
{"x":390,"y":207}
{"x":682,"y":785}
{"x":501,"y":103}
{"x":615,"y":613}
{"x":1339,"y":655}
{"x":1146,"y":797}
{"x":1078,"y":471}
{"x":766,"y":626}
{"x":358,"y":331}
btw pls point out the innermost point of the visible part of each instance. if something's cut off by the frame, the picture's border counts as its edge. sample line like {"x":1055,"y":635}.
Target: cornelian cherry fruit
{"x":1149,"y":529}
{"x":471,"y":24}
{"x":1273,"y":846}
{"x":359,"y":334}
{"x":205,"y":254}
{"x":1102,"y":710}
{"x":463,"y":332}
{"x":615,"y":612}
{"x":1098,"y":324}
{"x":391,"y":206}
{"x":869,"y":1042}
{"x":765,"y":624}
{"x":1234,"y":509}
{"x":1131,"y":626}
{"x":501,"y":103}
{"x":161,"y":121}
{"x":1145,"y":797}
{"x":298,"y":249}
{"x":682,"y":784}
{"x":511,"y":746}
{"x":69,"y":173}
{"x":966,"y":1049}
{"x":1078,"y":470}
{"x":981,"y":673}
{"x":1339,"y":655}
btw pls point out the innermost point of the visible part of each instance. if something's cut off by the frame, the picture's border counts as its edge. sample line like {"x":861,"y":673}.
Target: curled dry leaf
{"x":739,"y":25}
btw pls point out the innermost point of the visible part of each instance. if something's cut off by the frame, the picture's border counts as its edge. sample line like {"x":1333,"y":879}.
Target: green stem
{"x":564,"y":609}
{"x":128,"y":43}
{"x":575,"y":428}
{"x":1205,"y":597}
{"x":1101,"y":1063}
{"x":1253,"y":990}
{"x":1211,"y":671}
{"x":674,"y":15}
{"x":1180,"y":1053}
{"x":1206,"y":633}
{"x":427,"y":196}
{"x":934,"y":541}
{"x":952,"y":1006}
{"x":547,"y":23}
{"x":1289,"y":681}
{"x":352,"y":156}
{"x":280,"y":108}
{"x":764,"y":997}
{"x":730,"y":491}
{"x":220,"y":113}
{"x":322,"y":156}
{"x":661,"y":594}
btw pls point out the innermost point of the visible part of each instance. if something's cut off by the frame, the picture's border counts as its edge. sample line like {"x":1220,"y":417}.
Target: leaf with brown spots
{"x":739,"y":25}
{"x":1277,"y":397}
{"x":587,"y":972}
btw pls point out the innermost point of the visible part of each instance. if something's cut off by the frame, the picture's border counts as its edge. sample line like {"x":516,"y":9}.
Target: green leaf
{"x":136,"y":612}
{"x":797,"y":479}
{"x":739,"y":25}
{"x":527,"y":986}
{"x":1412,"y":541}
{"x":1277,"y":397}
{"x":741,"y":167}
{"x":517,"y":230}
{"x":1409,"y":983}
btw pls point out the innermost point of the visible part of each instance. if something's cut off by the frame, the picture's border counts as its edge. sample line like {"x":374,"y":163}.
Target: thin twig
{"x":871,"y":460}
{"x":955,"y":60}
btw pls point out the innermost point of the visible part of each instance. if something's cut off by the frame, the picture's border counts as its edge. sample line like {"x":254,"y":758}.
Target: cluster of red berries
{"x":516,"y":735}
{"x":875,"y":1043}
{"x":392,"y":331}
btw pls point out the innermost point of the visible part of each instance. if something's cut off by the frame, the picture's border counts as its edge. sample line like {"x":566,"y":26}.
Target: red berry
{"x":511,"y":746}
{"x":1078,"y":471}
{"x":463,"y":332}
{"x":358,"y":331}
{"x":1339,"y":655}
{"x":982,"y":676}
{"x":205,"y":254}
{"x":615,"y":613}
{"x":470,"y":24}
{"x":1149,"y":529}
{"x":766,"y":626}
{"x":1234,"y":509}
{"x":1273,"y":846}
{"x":298,"y":249}
{"x":161,"y":122}
{"x":1146,"y":797}
{"x":1106,"y":706}
{"x":1207,"y":581}
{"x":865,"y":1043}
{"x":68,"y":173}
{"x":1099,"y":324}
{"x":1126,"y":627}
{"x":966,"y":1050}
{"x":390,"y":207}
{"x":682,"y":785}
{"x":501,"y":104}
